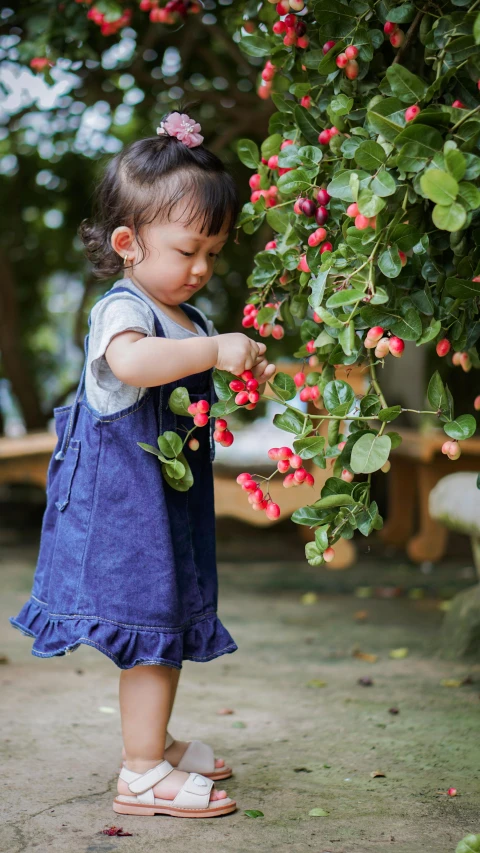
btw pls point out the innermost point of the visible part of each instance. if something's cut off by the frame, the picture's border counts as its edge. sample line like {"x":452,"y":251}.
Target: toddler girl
{"x":127,"y":561}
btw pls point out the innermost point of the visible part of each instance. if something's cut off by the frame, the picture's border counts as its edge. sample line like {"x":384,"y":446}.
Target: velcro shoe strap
{"x":147,"y":780}
{"x":195,"y":793}
{"x":148,"y":798}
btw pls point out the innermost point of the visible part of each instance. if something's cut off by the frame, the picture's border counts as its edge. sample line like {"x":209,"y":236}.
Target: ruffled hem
{"x":203,"y":640}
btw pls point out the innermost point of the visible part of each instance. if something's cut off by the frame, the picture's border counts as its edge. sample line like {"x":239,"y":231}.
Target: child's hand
{"x":263,"y":371}
{"x":236,"y":352}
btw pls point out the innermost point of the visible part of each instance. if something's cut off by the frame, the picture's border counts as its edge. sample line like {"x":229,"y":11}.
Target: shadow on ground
{"x":294,"y":747}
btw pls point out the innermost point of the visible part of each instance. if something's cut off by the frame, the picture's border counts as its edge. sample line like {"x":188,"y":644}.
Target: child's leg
{"x":176,"y":751}
{"x":145,"y":701}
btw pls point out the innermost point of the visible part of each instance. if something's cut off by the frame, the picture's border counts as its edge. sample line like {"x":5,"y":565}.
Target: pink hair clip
{"x":183,"y":127}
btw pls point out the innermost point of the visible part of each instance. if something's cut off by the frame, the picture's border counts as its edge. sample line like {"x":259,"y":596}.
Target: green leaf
{"x":367,"y":518}
{"x":369,"y":453}
{"x":183,"y":483}
{"x":462,"y":288}
{"x":333,"y":501}
{"x":449,"y":217}
{"x":476,"y":29}
{"x":389,"y":262}
{"x":296,"y":181}
{"x":402,"y":14}
{"x":309,"y":516}
{"x":370,"y":406}
{"x":439,"y":186}
{"x":387,"y":117}
{"x":255,"y":45}
{"x":338,"y":397}
{"x":405,"y":237}
{"x":271,"y":145}
{"x":150,"y":449}
{"x":469,"y":844}
{"x":409,"y":325}
{"x":469,"y":194}
{"x":291,"y":422}
{"x":179,"y":401}
{"x":321,"y":538}
{"x":430,"y":333}
{"x":342,"y":297}
{"x":383,"y":184}
{"x":436,"y":393}
{"x":405,"y":85}
{"x":455,"y":163}
{"x":278,"y":219}
{"x":308,"y":447}
{"x":461,"y":428}
{"x":254,"y":813}
{"x":390,"y":413}
{"x":175,"y":468}
{"x":370,"y":204}
{"x":221,"y":378}
{"x":284,"y":386}
{"x":224,"y":407}
{"x":248,"y":153}
{"x":306,"y":124}
{"x":340,"y":187}
{"x":170,"y":443}
{"x":341,"y":105}
{"x":318,"y":813}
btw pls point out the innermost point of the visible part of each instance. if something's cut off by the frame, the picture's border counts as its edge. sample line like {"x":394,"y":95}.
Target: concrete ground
{"x":294,"y":745}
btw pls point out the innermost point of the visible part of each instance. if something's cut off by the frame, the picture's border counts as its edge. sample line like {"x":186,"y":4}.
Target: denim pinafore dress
{"x":127,"y":564}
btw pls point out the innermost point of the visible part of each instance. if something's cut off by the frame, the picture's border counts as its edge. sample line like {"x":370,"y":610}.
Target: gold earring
{"x":125,"y":260}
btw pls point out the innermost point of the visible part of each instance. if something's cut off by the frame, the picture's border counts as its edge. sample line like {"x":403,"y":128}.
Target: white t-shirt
{"x":117,"y":313}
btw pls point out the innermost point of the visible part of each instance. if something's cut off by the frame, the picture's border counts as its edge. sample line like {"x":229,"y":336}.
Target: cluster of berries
{"x":256,"y":498}
{"x":348,"y":61}
{"x":383,"y":343}
{"x":451,"y":449}
{"x":266,"y":329}
{"x":40,"y":63}
{"x":327,"y":134}
{"x":246,"y":390}
{"x":268,"y":73}
{"x":222,"y":434}
{"x":285,"y":459}
{"x":462,"y":359}
{"x":307,"y":392}
{"x":109,"y":28}
{"x":395,"y":34}
{"x":292,"y":29}
{"x":361,"y":221}
{"x":167,"y":14}
{"x":283,"y":7}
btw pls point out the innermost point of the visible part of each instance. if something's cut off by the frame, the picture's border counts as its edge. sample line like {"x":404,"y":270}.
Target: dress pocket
{"x":69,"y":465}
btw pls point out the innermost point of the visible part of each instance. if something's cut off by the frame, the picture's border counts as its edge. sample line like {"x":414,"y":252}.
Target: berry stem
{"x":373,"y":374}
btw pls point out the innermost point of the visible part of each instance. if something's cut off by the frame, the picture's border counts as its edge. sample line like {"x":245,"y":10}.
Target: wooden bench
{"x":417,"y":466}
{"x":25,"y":459}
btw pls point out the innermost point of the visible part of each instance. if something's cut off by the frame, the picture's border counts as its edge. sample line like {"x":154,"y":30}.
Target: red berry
{"x":309,"y":479}
{"x":317,"y":317}
{"x":242,"y":478}
{"x":249,"y":485}
{"x":278,"y":332}
{"x":290,"y":20}
{"x":314,"y":392}
{"x":324,"y":137}
{"x":285,"y":453}
{"x":458,"y":105}
{"x":253,"y":397}
{"x":352,"y":209}
{"x":200,"y":420}
{"x":273,"y":161}
{"x":300,"y":475}
{"x":346,"y":475}
{"x":257,"y":495}
{"x":351,"y":69}
{"x":323,"y":197}
{"x":328,"y":555}
{"x":299,"y":379}
{"x":218,"y":435}
{"x":246,"y":375}
{"x":273,"y":453}
{"x":327,"y":247}
{"x":288,"y":481}
{"x":203,"y":406}
{"x":306,"y":394}
{"x":396,"y":346}
{"x":303,"y":42}
{"x":351,"y":52}
{"x":302,"y":264}
{"x":252,"y":385}
{"x":194,"y":444}
{"x":248,"y":321}
{"x":272,"y":511}
{"x":401,"y":255}
{"x":290,"y":38}
{"x":279,"y":27}
{"x":382,"y":349}
{"x":443,"y":347}
{"x":341,"y":60}
{"x":283,"y":465}
{"x":389,"y":28}
{"x":310,"y":346}
{"x":328,"y":46}
{"x":308,"y":207}
{"x":321,"y":215}
{"x":375,"y":333}
{"x":296,"y":461}
{"x":412,"y":112}
{"x":476,"y":403}
{"x":221,"y":424}
{"x":265,"y":330}
{"x":192,"y":409}
{"x":361,"y":222}
{"x":397,"y":38}
{"x":242,"y":398}
{"x":236,"y":385}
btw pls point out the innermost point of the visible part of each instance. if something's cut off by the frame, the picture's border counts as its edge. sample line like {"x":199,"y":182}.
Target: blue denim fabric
{"x":126,"y":563}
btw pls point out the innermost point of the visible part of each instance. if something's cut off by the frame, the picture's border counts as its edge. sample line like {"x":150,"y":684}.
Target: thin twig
{"x":410,"y":34}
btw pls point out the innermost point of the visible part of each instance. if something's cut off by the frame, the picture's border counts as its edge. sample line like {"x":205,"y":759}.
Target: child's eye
{"x":189,"y":254}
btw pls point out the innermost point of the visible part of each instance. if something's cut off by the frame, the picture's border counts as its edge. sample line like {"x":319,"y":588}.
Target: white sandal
{"x":192,"y":800}
{"x":199,"y":758}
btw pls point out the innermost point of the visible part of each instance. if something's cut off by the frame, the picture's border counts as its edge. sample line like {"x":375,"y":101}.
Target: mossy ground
{"x":60,"y":753}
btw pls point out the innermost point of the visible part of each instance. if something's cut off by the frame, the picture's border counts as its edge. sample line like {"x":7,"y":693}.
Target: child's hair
{"x":145,"y":181}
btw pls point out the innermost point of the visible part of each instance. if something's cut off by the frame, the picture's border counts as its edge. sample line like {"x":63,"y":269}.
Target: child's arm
{"x":144,"y":362}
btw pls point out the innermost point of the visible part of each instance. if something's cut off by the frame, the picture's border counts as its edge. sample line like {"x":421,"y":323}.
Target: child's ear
{"x":123,"y":242}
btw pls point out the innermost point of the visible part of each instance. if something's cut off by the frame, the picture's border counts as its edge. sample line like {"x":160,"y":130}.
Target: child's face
{"x":179,"y":259}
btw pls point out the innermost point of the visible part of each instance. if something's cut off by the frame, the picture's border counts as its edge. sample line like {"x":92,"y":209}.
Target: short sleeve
{"x":110,"y":317}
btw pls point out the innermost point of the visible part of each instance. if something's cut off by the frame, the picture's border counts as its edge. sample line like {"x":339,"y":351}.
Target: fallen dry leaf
{"x":115,"y":830}
{"x":365,"y":681}
{"x":224,"y":711}
{"x":4,"y":659}
{"x":364,"y":656}
{"x":377,"y":773}
{"x":360,"y":615}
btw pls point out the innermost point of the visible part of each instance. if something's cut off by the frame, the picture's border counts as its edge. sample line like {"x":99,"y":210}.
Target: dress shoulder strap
{"x":114,"y":290}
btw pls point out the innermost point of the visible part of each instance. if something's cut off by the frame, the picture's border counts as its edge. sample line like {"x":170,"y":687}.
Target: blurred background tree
{"x":59,"y":125}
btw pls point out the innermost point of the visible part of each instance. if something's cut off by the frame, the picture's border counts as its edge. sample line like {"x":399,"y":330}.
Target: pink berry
{"x":300,"y":475}
{"x":278,"y":332}
{"x":192,"y":409}
{"x":352,"y":210}
{"x":403,"y":257}
{"x":236,"y":385}
{"x":273,"y":161}
{"x":389,"y":28}
{"x":476,"y":403}
{"x":273,"y":453}
{"x":327,"y":247}
{"x":323,"y":197}
{"x":302,"y":264}
{"x":310,"y":346}
{"x":203,"y":406}
{"x":361,"y":222}
{"x":283,"y":465}
{"x":252,"y":385}
{"x":286,"y":143}
{"x":254,"y":182}
{"x":221,"y":424}
{"x":270,"y":245}
{"x":317,"y":317}
{"x":253,"y":397}
{"x":246,"y":375}
{"x":243,"y":478}
{"x":296,"y":461}
{"x":341,"y":60}
{"x":412,"y":112}
{"x":257,"y":495}
{"x":346,"y":475}
{"x":255,"y":196}
{"x":396,"y":346}
{"x":458,"y":105}
{"x":305,"y":394}
{"x":218,"y":435}
{"x":265,"y":330}
{"x":242,"y":398}
{"x":299,"y":379}
{"x":288,"y":481}
{"x":443,"y":347}
{"x":272,"y":511}
{"x":351,"y":52}
{"x":279,"y":28}
{"x":328,"y":46}
{"x":375,"y":333}
{"x":324,"y":137}
{"x":248,"y":321}
{"x":352,"y":69}
{"x":314,"y":392}
{"x":306,"y":101}
{"x":285,"y":453}
{"x":452,"y":792}
{"x":200,"y":420}
{"x":397,"y":38}
{"x":194,"y":444}
{"x":328,"y":555}
{"x":382,"y":349}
